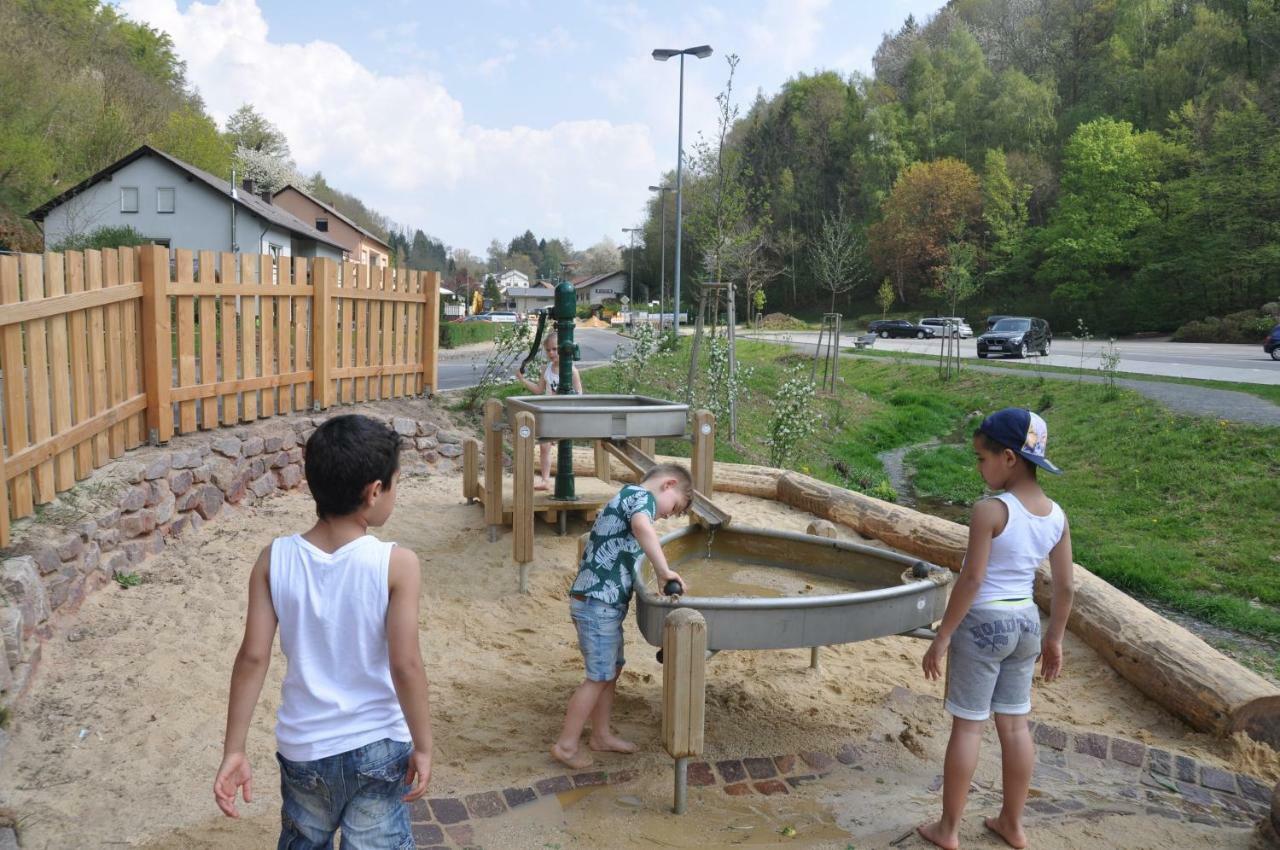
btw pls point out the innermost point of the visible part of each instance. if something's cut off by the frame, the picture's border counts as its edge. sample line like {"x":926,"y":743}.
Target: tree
{"x":885,"y":296}
{"x":957,"y":282}
{"x":932,"y":205}
{"x":193,"y":137}
{"x":838,"y":255}
{"x":248,"y":129}
{"x":601,"y":258}
{"x":491,"y":292}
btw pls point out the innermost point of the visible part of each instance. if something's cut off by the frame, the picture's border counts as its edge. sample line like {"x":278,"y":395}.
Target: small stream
{"x":1255,"y":653}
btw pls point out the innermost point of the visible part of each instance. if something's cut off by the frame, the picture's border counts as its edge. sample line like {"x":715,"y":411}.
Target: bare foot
{"x":934,"y":834}
{"x":1012,"y":834}
{"x":576,"y":759}
{"x":542,"y":485}
{"x":611,"y":744}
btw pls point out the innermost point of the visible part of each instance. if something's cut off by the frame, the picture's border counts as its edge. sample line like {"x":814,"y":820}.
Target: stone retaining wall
{"x":162,"y":493}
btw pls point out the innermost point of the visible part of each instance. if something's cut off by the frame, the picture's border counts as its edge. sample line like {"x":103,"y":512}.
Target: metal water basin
{"x":600,"y":417}
{"x":905,"y":593}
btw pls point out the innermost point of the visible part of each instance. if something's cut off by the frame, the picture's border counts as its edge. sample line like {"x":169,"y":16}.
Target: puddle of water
{"x":725,"y":577}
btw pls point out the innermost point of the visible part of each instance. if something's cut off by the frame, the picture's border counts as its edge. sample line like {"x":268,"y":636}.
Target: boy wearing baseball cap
{"x":990,"y":633}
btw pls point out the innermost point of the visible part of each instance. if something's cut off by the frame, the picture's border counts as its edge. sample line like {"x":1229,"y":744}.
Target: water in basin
{"x":725,"y":577}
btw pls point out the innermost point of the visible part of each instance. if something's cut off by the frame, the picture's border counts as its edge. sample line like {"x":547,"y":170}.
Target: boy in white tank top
{"x":354,"y":727}
{"x":995,"y":624}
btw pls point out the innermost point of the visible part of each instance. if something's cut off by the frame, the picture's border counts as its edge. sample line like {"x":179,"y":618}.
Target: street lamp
{"x":662,"y":55}
{"x":662,"y":288}
{"x":631,"y":280}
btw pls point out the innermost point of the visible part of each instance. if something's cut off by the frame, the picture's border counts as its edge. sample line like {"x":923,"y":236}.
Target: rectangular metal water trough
{"x":600,"y":417}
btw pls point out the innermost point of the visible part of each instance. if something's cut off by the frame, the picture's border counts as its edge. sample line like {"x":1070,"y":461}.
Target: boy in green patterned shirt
{"x":601,"y":594}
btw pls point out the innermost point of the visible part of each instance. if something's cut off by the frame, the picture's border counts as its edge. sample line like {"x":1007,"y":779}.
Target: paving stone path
{"x":1078,"y":776}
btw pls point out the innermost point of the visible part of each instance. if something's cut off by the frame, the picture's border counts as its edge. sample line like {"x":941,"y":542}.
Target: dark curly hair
{"x":345,"y":455}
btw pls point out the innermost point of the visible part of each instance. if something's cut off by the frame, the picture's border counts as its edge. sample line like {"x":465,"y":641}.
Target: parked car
{"x":1271,"y":344}
{"x":900,"y":327}
{"x":1016,"y":335}
{"x":959,"y":328}
{"x":507,"y":316}
{"x":991,"y":320}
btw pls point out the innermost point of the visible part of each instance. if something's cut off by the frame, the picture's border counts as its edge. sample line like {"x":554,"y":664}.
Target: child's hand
{"x":932,"y":662}
{"x":232,"y":775}
{"x":419,"y":769}
{"x":663,"y":578}
{"x":1051,"y":659}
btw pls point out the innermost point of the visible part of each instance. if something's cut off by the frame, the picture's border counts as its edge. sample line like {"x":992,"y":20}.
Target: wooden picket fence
{"x":103,"y":350}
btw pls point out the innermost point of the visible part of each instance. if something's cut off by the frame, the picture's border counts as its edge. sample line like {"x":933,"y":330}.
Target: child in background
{"x":354,"y":726}
{"x":996,"y":623}
{"x":548,"y":384}
{"x":600,"y":596}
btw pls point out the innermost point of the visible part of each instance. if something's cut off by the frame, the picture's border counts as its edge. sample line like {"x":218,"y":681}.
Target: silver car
{"x":959,"y":327}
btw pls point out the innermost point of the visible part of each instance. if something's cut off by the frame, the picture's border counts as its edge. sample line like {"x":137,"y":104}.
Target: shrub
{"x":782,"y":322}
{"x":1246,"y":326}
{"x":792,"y":422}
{"x":103,"y":237}
{"x":454,"y":334}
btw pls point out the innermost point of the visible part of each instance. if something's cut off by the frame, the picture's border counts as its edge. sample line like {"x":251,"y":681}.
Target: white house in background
{"x":599,"y":288}
{"x":510,"y":278}
{"x":526,"y":299}
{"x":175,"y":204}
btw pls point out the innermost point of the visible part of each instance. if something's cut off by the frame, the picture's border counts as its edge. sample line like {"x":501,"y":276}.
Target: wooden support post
{"x":684,"y":662}
{"x":702,"y":456}
{"x":602,"y":463}
{"x":157,"y":345}
{"x":523,"y":438}
{"x":493,"y":468}
{"x":583,"y":540}
{"x":324,"y":281}
{"x":4,"y":507}
{"x":648,"y":445}
{"x":470,"y":469}
{"x":430,"y":332}
{"x":814,"y":663}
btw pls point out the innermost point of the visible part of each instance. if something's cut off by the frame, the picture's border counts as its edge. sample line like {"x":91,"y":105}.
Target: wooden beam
{"x":156,"y":343}
{"x":239,"y":385}
{"x":431,"y":333}
{"x":30,"y":457}
{"x":325,"y":282}
{"x":470,"y":469}
{"x":524,"y":437}
{"x":493,"y":468}
{"x":12,"y":314}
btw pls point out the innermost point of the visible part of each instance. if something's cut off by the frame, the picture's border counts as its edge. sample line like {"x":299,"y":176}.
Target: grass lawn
{"x":1174,"y":508}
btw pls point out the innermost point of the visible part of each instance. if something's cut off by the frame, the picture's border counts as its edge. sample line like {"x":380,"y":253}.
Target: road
{"x":1241,"y":363}
{"x":462,"y":369}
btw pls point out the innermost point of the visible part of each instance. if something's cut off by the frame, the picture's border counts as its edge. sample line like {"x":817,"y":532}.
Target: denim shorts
{"x":358,"y":790}
{"x":992,"y":660}
{"x":599,"y":626}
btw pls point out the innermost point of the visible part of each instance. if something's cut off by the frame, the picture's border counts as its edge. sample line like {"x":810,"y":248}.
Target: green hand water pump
{"x":564,"y":312}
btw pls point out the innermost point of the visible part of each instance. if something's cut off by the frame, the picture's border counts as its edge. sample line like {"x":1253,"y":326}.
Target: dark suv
{"x":1016,"y":335}
{"x":900,"y":327}
{"x":1271,"y":345}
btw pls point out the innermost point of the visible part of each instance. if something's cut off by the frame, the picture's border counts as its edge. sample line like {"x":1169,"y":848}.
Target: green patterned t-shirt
{"x":605,"y":572}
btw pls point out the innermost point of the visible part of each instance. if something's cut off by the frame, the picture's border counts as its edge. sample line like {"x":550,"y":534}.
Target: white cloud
{"x":787,"y":31}
{"x":402,"y":142}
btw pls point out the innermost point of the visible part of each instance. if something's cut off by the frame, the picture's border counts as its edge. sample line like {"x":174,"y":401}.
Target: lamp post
{"x":662,"y":55}
{"x":662,"y":288}
{"x":631,"y":279}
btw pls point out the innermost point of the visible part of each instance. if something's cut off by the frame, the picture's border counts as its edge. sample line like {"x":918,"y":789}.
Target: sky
{"x":478,"y":120}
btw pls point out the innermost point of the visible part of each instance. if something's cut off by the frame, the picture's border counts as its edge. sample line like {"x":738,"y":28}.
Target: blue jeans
{"x":599,"y":626}
{"x":359,"y":790}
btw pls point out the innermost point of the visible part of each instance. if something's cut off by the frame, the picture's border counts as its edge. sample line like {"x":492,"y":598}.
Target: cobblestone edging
{"x":164,"y":494}
{"x":1156,"y":781}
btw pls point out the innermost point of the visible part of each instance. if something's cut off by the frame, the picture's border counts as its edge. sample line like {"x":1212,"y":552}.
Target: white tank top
{"x":1017,"y":551}
{"x":332,"y":609}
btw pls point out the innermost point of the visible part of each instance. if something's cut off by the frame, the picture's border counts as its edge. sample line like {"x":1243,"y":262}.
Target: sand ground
{"x":118,"y":739}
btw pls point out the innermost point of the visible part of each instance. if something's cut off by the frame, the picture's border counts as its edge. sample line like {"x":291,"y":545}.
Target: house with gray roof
{"x":598,"y":288}
{"x":175,"y":204}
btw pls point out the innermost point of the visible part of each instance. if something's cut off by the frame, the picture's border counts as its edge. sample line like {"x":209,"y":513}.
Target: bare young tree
{"x":839,"y":255}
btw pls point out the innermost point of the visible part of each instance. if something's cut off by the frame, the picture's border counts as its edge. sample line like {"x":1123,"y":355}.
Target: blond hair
{"x":672,"y":470}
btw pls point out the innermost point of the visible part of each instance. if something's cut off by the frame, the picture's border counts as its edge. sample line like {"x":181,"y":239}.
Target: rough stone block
{"x":849,"y":754}
{"x":1051,"y":736}
{"x":236,"y":492}
{"x":424,"y":443}
{"x":58,"y":588}
{"x":1253,"y":789}
{"x":772,"y":786}
{"x":404,"y":426}
{"x":257,"y":467}
{"x":180,"y":481}
{"x":731,"y":770}
{"x":519,"y":796}
{"x":488,"y":804}
{"x":590,"y":778}
{"x":197,"y":521}
{"x":86,"y":529}
{"x":225,"y":474}
{"x":159,"y":490}
{"x":280,"y":459}
{"x":47,"y":560}
{"x":227,"y":446}
{"x":449,"y":450}
{"x":92,"y":558}
{"x":450,"y":437}
{"x":818,"y":761}
{"x":107,"y":538}
{"x":290,"y":476}
{"x":1128,"y":752}
{"x":202,"y":473}
{"x":288,"y":440}
{"x":272,"y":443}
{"x":760,"y":768}
{"x":109,"y":519}
{"x":71,"y":547}
{"x":210,"y":502}
{"x":263,"y":485}
{"x":140,"y":522}
{"x":737,"y":789}
{"x":462,"y":835}
{"x":157,"y":467}
{"x":1092,"y":744}
{"x":427,"y":429}
{"x":11,"y":633}
{"x":1218,"y":779}
{"x":700,"y":774}
{"x":6,"y":680}
{"x":164,"y":509}
{"x":179,"y":525}
{"x":188,"y":459}
{"x":1185,"y":768}
{"x":135,"y":498}
{"x":431,"y":456}
{"x":448,"y":809}
{"x":252,"y":447}
{"x":553,"y":785}
{"x":132,"y":472}
{"x":1159,"y":761}
{"x":428,"y":835}
{"x":118,"y":562}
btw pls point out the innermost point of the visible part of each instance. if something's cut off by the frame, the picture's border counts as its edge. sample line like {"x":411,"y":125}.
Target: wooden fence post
{"x":523,"y":438}
{"x":684,"y":664}
{"x":157,"y":344}
{"x":431,"y":333}
{"x":324,"y":280}
{"x":470,"y":469}
{"x":703,"y":455}
{"x":603,"y":470}
{"x":493,"y":468}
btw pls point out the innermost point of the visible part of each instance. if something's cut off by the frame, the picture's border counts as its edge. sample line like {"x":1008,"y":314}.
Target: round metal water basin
{"x":763,"y":589}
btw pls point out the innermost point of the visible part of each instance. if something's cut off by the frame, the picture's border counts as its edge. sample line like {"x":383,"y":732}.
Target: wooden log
{"x":492,"y":465}
{"x":524,"y":438}
{"x":470,"y":468}
{"x":702,"y":457}
{"x":1182,"y":673}
{"x":684,"y":661}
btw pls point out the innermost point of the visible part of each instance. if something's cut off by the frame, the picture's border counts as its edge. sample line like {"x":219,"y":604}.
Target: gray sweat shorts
{"x":992,"y":659}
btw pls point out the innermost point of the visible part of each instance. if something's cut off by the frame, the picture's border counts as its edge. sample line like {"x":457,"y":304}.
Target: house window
{"x":275,"y":250}
{"x":129,"y":199}
{"x":322,"y":224}
{"x":165,"y":199}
